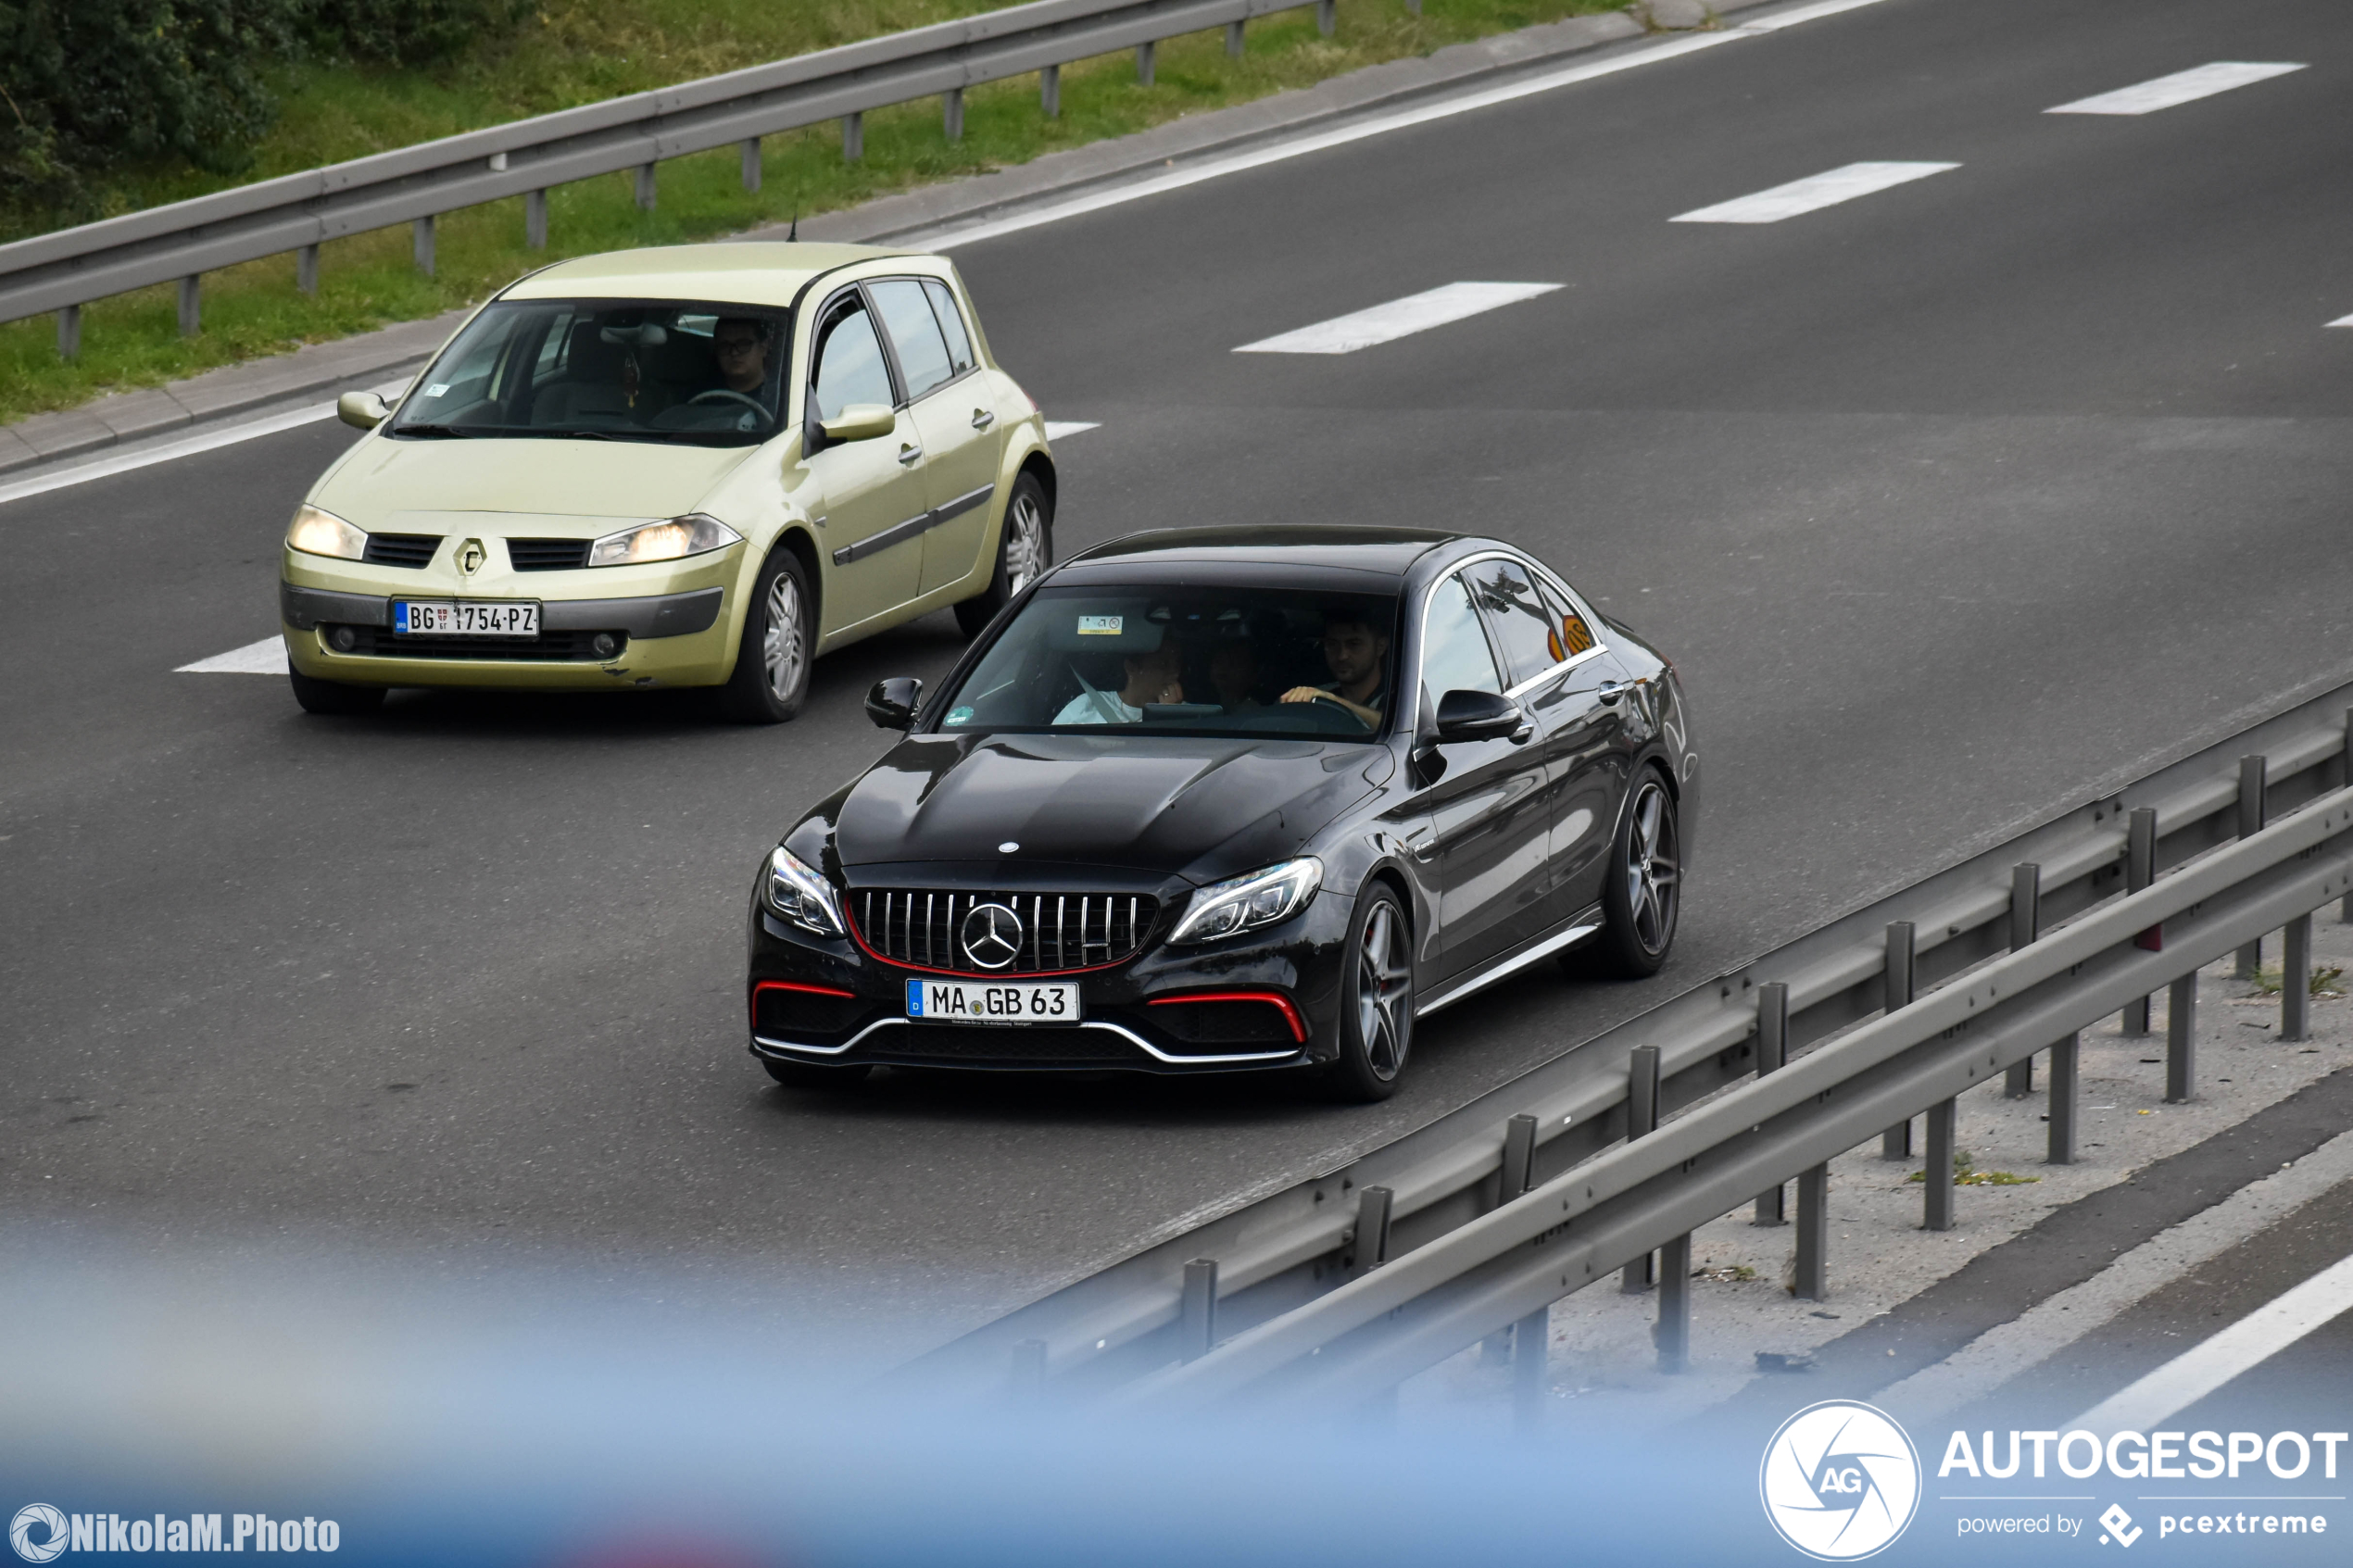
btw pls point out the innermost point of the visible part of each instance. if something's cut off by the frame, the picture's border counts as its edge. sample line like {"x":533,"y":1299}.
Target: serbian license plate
{"x":958,"y":1001}
{"x":445,"y":617}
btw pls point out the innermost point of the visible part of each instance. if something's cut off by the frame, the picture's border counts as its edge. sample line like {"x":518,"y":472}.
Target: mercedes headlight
{"x":1245,"y":903}
{"x":674,"y":540}
{"x":315,"y":533}
{"x":801,"y":895}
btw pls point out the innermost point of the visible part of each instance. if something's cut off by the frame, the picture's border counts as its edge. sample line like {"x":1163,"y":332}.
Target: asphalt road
{"x":1952,"y":503}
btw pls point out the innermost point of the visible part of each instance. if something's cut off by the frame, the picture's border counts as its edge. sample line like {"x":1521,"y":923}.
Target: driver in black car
{"x":1356,"y":652}
{"x":740,"y":345}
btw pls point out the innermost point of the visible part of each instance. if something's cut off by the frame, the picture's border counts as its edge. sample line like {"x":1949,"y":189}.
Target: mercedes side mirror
{"x":891,"y":705}
{"x":362,"y":411}
{"x":1463,"y":715}
{"x":860,"y":421}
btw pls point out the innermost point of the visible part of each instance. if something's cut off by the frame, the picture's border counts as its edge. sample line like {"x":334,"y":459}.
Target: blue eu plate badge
{"x":914,"y":999}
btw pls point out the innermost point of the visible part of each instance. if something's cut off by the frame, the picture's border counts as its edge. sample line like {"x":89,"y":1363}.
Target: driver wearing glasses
{"x":740,"y":345}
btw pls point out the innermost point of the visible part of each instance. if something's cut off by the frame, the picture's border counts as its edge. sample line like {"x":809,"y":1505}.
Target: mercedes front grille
{"x":1060,"y":931}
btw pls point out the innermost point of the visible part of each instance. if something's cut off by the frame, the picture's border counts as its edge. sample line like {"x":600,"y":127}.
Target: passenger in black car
{"x":1156,"y":676}
{"x":1356,"y":652}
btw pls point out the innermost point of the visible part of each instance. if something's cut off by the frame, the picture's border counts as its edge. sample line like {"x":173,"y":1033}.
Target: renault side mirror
{"x":362,"y":411}
{"x":1467,"y":715}
{"x":860,"y":421}
{"x":892,"y":704}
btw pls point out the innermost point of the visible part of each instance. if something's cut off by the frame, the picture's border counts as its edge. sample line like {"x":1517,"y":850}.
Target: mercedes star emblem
{"x":992,"y":935}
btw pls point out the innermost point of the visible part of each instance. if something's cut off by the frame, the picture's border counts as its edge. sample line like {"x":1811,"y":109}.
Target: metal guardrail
{"x":1340,"y":1288}
{"x":65,"y":270}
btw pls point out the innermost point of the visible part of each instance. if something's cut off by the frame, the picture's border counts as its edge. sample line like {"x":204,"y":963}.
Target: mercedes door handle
{"x":1608,"y":692}
{"x":983,"y":418}
{"x":910,"y":453}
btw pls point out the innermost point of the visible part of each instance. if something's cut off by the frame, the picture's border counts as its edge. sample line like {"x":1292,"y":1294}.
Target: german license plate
{"x":963,"y":1001}
{"x":461,"y":617}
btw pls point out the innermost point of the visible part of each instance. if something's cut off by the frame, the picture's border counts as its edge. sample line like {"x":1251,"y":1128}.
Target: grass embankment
{"x":577,"y":52}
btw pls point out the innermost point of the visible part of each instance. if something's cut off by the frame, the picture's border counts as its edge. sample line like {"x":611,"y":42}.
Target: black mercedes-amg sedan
{"x":1210,"y":800}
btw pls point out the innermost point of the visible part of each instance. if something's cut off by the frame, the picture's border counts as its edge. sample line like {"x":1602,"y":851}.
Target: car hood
{"x":1201,"y":808}
{"x":596,"y":481}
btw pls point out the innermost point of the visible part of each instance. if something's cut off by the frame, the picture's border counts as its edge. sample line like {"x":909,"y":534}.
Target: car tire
{"x":1377,"y":1001}
{"x":1025,"y":548}
{"x":333,"y":696}
{"x":771,"y":679}
{"x":1643,"y":893}
{"x":813,"y":1076}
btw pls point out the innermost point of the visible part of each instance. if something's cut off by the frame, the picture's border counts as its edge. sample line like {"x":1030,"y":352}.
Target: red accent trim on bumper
{"x":1275,"y":998}
{"x":761,"y":985}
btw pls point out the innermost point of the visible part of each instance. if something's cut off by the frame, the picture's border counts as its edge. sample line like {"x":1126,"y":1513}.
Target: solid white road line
{"x":267,"y":657}
{"x":2343,"y":321}
{"x":2247,"y":1344}
{"x":1398,"y":317}
{"x":2182,"y":87}
{"x":1813,"y":193}
{"x":1057,"y":429}
{"x":187,"y":447}
{"x":952,"y":236}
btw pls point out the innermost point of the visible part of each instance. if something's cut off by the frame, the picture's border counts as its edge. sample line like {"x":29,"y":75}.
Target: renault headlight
{"x":679,"y":537}
{"x":801,"y":895}
{"x":315,"y":533}
{"x":1245,"y":903}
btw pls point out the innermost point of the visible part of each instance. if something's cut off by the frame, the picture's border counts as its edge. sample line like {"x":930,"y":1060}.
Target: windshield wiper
{"x":434,"y":430}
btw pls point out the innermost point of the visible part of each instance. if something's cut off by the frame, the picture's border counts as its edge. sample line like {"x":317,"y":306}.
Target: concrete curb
{"x":131,"y":415}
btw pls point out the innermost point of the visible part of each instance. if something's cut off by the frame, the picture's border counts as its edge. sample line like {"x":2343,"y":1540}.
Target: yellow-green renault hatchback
{"x":693,"y":466}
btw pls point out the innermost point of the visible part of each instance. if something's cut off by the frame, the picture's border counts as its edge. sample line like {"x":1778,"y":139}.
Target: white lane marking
{"x":2011,"y":1350}
{"x":2343,"y":321}
{"x":188,"y":446}
{"x":2248,"y":1343}
{"x":1813,"y":193}
{"x":2182,"y":87}
{"x":949,"y":237}
{"x":1398,"y":317}
{"x":1057,"y":429}
{"x":267,"y":657}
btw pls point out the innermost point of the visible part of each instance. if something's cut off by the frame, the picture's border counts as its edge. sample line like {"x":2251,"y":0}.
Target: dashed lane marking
{"x":1813,"y":193}
{"x":2182,"y":87}
{"x":267,"y":657}
{"x":1057,"y":429}
{"x":1398,"y":317}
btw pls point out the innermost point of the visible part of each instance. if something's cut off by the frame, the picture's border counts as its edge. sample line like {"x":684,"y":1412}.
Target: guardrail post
{"x":2026,"y":925}
{"x":1673,"y":1333}
{"x":1519,"y":1162}
{"x":2295,"y":980}
{"x":2063,"y":1102}
{"x":1896,"y":1143}
{"x":1813,"y":1281}
{"x":1772,"y":1055}
{"x":1197,"y":1320}
{"x":2140,"y":869}
{"x":1234,"y":40}
{"x":644,"y":187}
{"x":1049,"y":92}
{"x":535,"y":219}
{"x":1144,"y":63}
{"x":951,"y":113}
{"x":2345,"y":910}
{"x":1327,"y":17}
{"x":854,"y":137}
{"x":1531,"y":1359}
{"x":1642,"y":1120}
{"x":307,"y":268}
{"x":751,"y":163}
{"x":2253,"y":776}
{"x":69,"y":333}
{"x":1371,"y":1246}
{"x":2180,"y":1039}
{"x":421,"y":243}
{"x":190,"y":308}
{"x":1029,"y":1370}
{"x":1938,"y":1174}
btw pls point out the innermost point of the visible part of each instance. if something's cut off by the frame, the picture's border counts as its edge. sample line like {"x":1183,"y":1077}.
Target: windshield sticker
{"x":437,"y":389}
{"x":1100,"y":625}
{"x":960,"y":715}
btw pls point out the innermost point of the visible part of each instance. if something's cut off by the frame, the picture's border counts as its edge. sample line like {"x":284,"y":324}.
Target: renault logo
{"x":992,"y":935}
{"x":471,"y":555}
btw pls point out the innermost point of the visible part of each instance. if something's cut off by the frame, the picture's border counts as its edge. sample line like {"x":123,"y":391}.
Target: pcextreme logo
{"x":1840,"y":1481}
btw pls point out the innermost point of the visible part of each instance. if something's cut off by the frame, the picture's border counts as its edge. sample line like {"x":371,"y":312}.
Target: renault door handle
{"x":912,"y":453}
{"x":984,"y":418}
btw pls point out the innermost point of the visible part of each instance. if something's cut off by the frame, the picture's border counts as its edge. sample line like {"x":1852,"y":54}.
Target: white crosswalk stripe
{"x":1398,"y":317}
{"x":267,"y":657}
{"x":2182,"y":87}
{"x":1813,"y":193}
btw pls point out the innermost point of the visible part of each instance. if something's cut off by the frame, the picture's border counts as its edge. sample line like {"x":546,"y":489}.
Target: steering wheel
{"x":743,"y":397}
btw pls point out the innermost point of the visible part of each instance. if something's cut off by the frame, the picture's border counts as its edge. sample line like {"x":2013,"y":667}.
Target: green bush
{"x":409,"y":32}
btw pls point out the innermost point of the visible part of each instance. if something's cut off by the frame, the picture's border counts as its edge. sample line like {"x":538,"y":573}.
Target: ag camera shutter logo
{"x":1840,"y":1481}
{"x":49,"y":1522}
